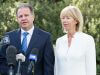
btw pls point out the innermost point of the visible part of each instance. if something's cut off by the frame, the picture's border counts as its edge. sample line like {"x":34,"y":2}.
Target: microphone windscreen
{"x":20,"y":57}
{"x":34,"y":54}
{"x":11,"y":55}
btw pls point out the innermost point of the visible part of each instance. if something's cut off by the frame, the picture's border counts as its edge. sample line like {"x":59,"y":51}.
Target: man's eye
{"x":20,"y":16}
{"x":26,"y":15}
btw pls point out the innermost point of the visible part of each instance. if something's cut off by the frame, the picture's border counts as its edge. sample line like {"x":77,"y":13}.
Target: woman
{"x":75,"y":51}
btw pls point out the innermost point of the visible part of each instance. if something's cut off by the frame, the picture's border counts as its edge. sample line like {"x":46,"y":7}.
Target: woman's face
{"x":68,"y":23}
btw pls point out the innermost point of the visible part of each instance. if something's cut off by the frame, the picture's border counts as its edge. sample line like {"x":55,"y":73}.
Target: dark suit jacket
{"x":40,"y":40}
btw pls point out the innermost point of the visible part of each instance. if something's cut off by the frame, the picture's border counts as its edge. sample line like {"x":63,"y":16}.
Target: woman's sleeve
{"x":55,"y":52}
{"x":90,"y":57}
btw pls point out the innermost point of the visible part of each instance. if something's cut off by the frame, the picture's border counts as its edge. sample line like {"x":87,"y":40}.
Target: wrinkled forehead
{"x":23,"y":8}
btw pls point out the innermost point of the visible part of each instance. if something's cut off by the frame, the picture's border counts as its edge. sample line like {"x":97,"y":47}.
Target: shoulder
{"x":42,"y":33}
{"x":85,"y":37}
{"x":62,"y":38}
{"x":12,"y":32}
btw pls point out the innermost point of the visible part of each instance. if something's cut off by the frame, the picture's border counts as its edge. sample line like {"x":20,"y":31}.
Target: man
{"x":36,"y":39}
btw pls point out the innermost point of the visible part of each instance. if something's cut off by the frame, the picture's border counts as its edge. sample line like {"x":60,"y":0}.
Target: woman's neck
{"x":71,"y":33}
{"x":70,"y":36}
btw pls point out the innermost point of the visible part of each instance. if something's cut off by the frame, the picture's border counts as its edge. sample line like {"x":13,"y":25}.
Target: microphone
{"x":33,"y":59}
{"x":5,"y":40}
{"x":20,"y":58}
{"x":11,"y":58}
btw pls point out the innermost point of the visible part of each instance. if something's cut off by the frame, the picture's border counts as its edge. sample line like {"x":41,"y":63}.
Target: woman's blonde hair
{"x":73,"y":11}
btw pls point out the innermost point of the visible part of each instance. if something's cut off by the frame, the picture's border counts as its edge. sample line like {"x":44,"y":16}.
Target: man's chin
{"x":25,"y":28}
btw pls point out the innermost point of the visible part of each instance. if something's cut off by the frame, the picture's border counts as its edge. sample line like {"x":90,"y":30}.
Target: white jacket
{"x":78,"y":59}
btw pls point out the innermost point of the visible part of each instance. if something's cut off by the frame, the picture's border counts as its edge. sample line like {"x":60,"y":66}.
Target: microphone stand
{"x":11,"y":71}
{"x":19,"y":66}
{"x":31,"y":68}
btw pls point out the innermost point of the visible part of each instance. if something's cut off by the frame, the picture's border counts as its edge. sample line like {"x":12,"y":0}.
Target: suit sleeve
{"x":3,"y":61}
{"x":48,"y":58}
{"x":91,"y":57}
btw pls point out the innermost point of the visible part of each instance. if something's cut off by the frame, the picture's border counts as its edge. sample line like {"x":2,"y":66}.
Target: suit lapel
{"x":33,"y":41}
{"x":18,"y":39}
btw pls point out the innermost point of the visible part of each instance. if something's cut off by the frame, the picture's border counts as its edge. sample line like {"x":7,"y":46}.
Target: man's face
{"x":25,"y":18}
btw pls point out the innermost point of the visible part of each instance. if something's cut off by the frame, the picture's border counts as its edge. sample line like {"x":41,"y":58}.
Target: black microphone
{"x":33,"y":59}
{"x":11,"y":58}
{"x":20,"y":58}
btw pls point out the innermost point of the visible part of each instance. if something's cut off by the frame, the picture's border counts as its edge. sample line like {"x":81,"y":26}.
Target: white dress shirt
{"x":79,"y":58}
{"x":28,"y":36}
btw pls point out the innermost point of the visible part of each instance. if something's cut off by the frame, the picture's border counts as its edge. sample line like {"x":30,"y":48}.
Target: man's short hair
{"x":25,"y":5}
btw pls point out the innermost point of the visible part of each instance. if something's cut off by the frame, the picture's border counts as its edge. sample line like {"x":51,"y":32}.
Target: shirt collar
{"x":29,"y":31}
